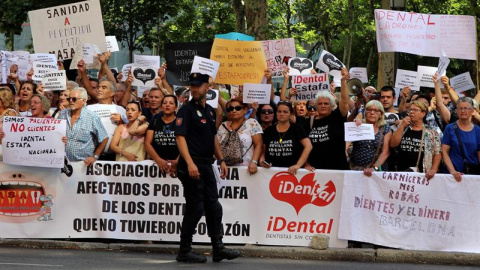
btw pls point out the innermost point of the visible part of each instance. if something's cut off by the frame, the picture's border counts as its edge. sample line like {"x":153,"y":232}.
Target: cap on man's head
{"x":198,"y":79}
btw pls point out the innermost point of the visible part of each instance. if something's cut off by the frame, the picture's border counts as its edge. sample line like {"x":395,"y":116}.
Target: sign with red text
{"x":405,"y":210}
{"x":33,"y":141}
{"x":308,"y":85}
{"x":426,"y":34}
{"x":59,"y":30}
{"x":278,"y":52}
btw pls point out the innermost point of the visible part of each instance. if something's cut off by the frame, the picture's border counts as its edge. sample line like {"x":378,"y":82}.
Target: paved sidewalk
{"x":330,"y":254}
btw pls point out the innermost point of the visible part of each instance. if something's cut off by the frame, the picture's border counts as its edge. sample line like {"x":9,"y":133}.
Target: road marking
{"x":33,"y":264}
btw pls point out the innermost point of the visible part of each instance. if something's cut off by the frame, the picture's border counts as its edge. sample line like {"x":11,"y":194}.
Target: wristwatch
{"x":96,"y":157}
{"x":254,"y":162}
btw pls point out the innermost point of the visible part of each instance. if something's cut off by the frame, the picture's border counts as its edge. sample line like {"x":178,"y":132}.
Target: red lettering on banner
{"x":277,"y":224}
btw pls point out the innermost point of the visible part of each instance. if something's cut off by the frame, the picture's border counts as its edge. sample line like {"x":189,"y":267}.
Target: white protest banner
{"x":125,"y":69}
{"x":425,"y":76}
{"x":253,"y":92}
{"x":112,"y":44}
{"x":212,"y":97}
{"x":205,"y":66}
{"x":42,"y":64}
{"x":277,"y":52}
{"x":462,"y":82}
{"x":308,"y":85}
{"x":426,"y":34}
{"x":359,"y":73}
{"x":358,"y":133}
{"x":59,"y":30}
{"x":32,"y":141}
{"x":147,"y":60}
{"x":55,"y":81}
{"x":300,"y":66}
{"x":135,"y":200}
{"x":405,"y":210}
{"x":144,"y":75}
{"x":408,"y":78}
{"x":443,"y":63}
{"x":330,"y":64}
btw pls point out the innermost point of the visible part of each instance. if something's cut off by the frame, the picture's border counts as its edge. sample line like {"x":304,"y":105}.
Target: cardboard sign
{"x":355,"y":133}
{"x":55,"y":81}
{"x":42,"y":64}
{"x":235,"y":36}
{"x":462,"y":82}
{"x":359,"y":73}
{"x":308,"y":85}
{"x":408,"y":78}
{"x":205,"y":66}
{"x":426,"y":34}
{"x":277,"y":52}
{"x":256,"y":93}
{"x":330,"y":64}
{"x":179,"y":57}
{"x":300,"y":66}
{"x":112,"y":44}
{"x":32,"y":141}
{"x":144,"y":75}
{"x":147,"y":60}
{"x":59,"y":30}
{"x":425,"y":76}
{"x":240,"y":61}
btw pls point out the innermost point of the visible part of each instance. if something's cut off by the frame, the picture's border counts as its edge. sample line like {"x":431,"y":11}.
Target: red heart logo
{"x":285,"y":187}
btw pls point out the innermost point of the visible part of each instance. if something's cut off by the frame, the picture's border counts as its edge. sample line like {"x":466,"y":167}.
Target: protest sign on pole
{"x":32,"y":141}
{"x":240,"y":61}
{"x":308,"y":85}
{"x":205,"y":66}
{"x":462,"y":82}
{"x":59,"y":30}
{"x":426,"y":34}
{"x":299,"y":66}
{"x":330,"y":64}
{"x":408,"y":78}
{"x":260,"y":93}
{"x":55,"y":81}
{"x":277,"y":52}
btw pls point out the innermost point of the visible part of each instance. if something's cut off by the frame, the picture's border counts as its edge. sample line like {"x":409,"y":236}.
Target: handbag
{"x":231,"y":147}
{"x":468,"y":168}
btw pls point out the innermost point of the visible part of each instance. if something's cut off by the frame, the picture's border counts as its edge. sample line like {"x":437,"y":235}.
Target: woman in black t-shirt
{"x":160,"y":140}
{"x":285,"y":144}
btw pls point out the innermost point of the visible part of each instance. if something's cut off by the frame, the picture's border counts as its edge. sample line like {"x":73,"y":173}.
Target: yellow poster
{"x":240,"y":61}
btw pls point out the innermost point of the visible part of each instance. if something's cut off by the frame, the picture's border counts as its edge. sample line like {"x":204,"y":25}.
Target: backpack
{"x":231,"y":147}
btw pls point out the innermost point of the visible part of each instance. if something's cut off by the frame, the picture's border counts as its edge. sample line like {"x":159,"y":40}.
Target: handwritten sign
{"x":59,"y":30}
{"x":330,"y":64}
{"x":308,"y":85}
{"x":55,"y":81}
{"x":277,"y":52}
{"x":359,"y":73}
{"x":300,"y":66}
{"x":112,"y":44}
{"x":240,"y":61}
{"x":426,"y":34}
{"x":147,"y":60}
{"x":406,"y":78}
{"x":358,"y":133}
{"x":462,"y":82}
{"x":260,"y":93}
{"x":144,"y":75}
{"x":42,"y":64}
{"x":205,"y":66}
{"x":32,"y":141}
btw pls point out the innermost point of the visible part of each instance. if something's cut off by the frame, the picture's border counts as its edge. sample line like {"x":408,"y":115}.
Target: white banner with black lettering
{"x":405,"y":210}
{"x":133,"y":200}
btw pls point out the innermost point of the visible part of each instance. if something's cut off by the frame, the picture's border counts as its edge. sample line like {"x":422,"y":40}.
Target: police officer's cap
{"x":198,"y":79}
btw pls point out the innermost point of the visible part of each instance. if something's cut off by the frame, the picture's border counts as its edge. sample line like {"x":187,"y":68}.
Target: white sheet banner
{"x":33,"y":141}
{"x":426,"y":34}
{"x":405,"y":210}
{"x":133,"y":200}
{"x":277,"y":52}
{"x":308,"y":85}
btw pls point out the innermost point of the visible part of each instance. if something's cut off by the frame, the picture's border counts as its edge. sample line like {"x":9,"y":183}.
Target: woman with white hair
{"x":370,"y":155}
{"x":326,"y":130}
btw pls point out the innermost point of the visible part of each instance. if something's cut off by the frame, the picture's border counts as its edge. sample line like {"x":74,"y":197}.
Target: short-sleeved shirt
{"x":364,"y":151}
{"x":163,"y":140}
{"x":285,"y":148}
{"x":197,"y":124}
{"x":87,"y":133}
{"x":470,"y":141}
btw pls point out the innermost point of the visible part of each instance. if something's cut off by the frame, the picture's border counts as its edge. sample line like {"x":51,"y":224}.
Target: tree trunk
{"x":239,"y":8}
{"x":386,"y":61}
{"x":289,"y":17}
{"x":257,"y":18}
{"x":371,"y":56}
{"x":11,"y":40}
{"x":347,"y":49}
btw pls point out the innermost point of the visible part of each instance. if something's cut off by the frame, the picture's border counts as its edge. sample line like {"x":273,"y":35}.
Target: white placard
{"x":22,"y":61}
{"x":426,"y":34}
{"x":144,"y":75}
{"x":55,"y":81}
{"x":205,"y":66}
{"x":330,"y":64}
{"x":300,"y":66}
{"x":147,"y":60}
{"x":462,"y":82}
{"x":112,"y":44}
{"x":105,"y":111}
{"x":32,"y":141}
{"x":443,"y":63}
{"x":59,"y":30}
{"x":276,"y":53}
{"x":425,"y":76}
{"x":358,"y":133}
{"x":308,"y":85}
{"x":359,"y":73}
{"x":86,"y":52}
{"x":253,"y":92}
{"x":42,"y":64}
{"x":125,"y":69}
{"x":408,"y":78}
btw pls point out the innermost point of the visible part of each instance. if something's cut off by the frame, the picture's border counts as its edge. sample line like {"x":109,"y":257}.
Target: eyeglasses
{"x":236,"y":108}
{"x":74,"y":99}
{"x":370,"y":110}
{"x":266,"y":111}
{"x":463,"y":109}
{"x":414,"y":110}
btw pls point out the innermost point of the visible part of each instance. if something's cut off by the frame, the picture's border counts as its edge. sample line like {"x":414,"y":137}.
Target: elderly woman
{"x":418,"y":145}
{"x":370,"y":155}
{"x":39,"y":106}
{"x":285,"y":144}
{"x":326,"y":130}
{"x":249,"y":131}
{"x":266,"y":115}
{"x":461,"y":142}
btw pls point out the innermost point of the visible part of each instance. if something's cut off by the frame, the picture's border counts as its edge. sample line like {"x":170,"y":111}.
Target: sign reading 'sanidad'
{"x":58,"y":30}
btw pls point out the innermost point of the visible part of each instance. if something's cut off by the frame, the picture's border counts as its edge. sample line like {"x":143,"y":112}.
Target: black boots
{"x":220,"y":252}
{"x":187,"y":255}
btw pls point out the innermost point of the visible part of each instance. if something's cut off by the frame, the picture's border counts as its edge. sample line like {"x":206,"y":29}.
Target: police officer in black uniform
{"x":197,"y":142}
